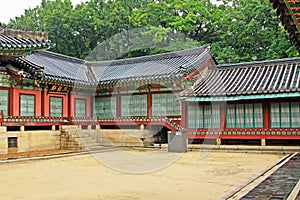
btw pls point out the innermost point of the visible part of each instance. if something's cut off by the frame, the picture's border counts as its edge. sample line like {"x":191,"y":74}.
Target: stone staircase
{"x":73,"y":138}
{"x":123,"y":138}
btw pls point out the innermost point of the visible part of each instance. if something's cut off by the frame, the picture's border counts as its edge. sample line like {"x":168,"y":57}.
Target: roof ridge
{"x":150,"y":57}
{"x":263,"y":62}
{"x":52,"y":54}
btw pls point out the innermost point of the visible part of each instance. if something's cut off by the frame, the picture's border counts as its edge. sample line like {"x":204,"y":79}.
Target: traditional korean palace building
{"x":257,"y":100}
{"x":183,"y":90}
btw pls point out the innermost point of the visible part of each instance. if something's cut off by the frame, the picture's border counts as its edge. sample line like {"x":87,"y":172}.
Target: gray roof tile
{"x":161,"y":66}
{"x":277,"y":76}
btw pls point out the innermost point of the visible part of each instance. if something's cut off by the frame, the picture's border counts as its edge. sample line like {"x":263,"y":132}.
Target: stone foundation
{"x":29,"y":140}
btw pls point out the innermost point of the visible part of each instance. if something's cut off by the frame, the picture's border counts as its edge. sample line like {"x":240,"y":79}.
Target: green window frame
{"x":56,"y":106}
{"x":165,"y":105}
{"x":244,"y":115}
{"x":285,"y":115}
{"x":134,"y":105}
{"x":4,"y":102}
{"x":27,"y":105}
{"x":80,"y":107}
{"x":203,"y":116}
{"x":105,"y":107}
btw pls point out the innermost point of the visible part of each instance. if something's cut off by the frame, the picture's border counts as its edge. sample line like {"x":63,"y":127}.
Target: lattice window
{"x":295,"y":114}
{"x":27,"y":104}
{"x":203,"y":116}
{"x":56,"y":106}
{"x":230,"y":116}
{"x":135,"y":105}
{"x":258,"y":115}
{"x":244,"y":116}
{"x":165,"y":105}
{"x":4,"y":101}
{"x":215,"y":116}
{"x":80,"y":107}
{"x":105,"y":107}
{"x":275,"y":115}
{"x":285,"y":115}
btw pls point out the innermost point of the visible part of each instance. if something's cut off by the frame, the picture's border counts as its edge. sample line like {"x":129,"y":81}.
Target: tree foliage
{"x":237,"y":30}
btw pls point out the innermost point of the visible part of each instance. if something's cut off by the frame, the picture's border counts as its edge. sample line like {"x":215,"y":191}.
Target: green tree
{"x":237,"y":30}
{"x":251,"y":31}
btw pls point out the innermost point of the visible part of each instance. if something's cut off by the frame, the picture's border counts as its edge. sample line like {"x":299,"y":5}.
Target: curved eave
{"x":65,"y":81}
{"x":289,"y":13}
{"x":142,"y":79}
{"x":239,"y":97}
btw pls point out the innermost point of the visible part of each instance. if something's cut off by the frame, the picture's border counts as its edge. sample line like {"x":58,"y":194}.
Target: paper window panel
{"x":275,"y":115}
{"x":240,"y":117}
{"x":56,"y":106}
{"x":285,"y":115}
{"x":249,"y":112}
{"x":4,"y":101}
{"x":295,"y":114}
{"x":207,"y":116}
{"x":215,"y":118}
{"x":258,"y":115}
{"x":230,"y":116}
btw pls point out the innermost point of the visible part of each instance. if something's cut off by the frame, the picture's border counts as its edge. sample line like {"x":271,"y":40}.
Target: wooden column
{"x":184,"y":114}
{"x":11,"y":105}
{"x":266,"y":112}
{"x":88,"y":105}
{"x":118,"y":105}
{"x":223,"y":115}
{"x":71,"y":103}
{"x":149,"y":100}
{"x":44,"y":105}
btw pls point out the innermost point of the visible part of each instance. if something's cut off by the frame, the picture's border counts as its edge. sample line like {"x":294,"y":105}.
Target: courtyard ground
{"x":192,"y":175}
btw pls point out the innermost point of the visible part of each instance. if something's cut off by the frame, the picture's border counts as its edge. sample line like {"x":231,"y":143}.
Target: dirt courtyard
{"x":192,"y":175}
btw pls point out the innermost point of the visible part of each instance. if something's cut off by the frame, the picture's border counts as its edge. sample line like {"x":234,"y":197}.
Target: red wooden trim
{"x":71,"y":105}
{"x":137,"y":123}
{"x":246,"y":137}
{"x":193,"y":74}
{"x":87,"y":104}
{"x":244,"y":129}
{"x":118,"y":106}
{"x":149,"y":104}
{"x":64,"y":98}
{"x":16,"y":101}
{"x":44,"y":105}
{"x":184,"y":116}
{"x":223,"y":115}
{"x":10,"y":101}
{"x":266,"y":113}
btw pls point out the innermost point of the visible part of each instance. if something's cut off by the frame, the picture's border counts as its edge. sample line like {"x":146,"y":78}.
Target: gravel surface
{"x":193,"y":175}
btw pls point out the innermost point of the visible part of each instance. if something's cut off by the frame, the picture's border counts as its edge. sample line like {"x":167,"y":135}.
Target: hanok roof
{"x":289,"y":12}
{"x":19,"y":43}
{"x":58,"y":67}
{"x":155,"y":67}
{"x":256,"y":78}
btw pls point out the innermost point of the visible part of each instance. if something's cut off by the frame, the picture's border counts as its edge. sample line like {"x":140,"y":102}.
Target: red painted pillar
{"x":88,"y":106}
{"x":223,"y":116}
{"x":66,"y":105}
{"x":149,"y":100}
{"x":11,"y":105}
{"x":44,"y":104}
{"x":184,"y":114}
{"x":118,"y":105}
{"x":266,"y":112}
{"x":38,"y":103}
{"x":71,"y":105}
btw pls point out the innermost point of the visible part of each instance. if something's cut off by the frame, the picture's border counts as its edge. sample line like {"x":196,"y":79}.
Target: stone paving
{"x":278,"y":185}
